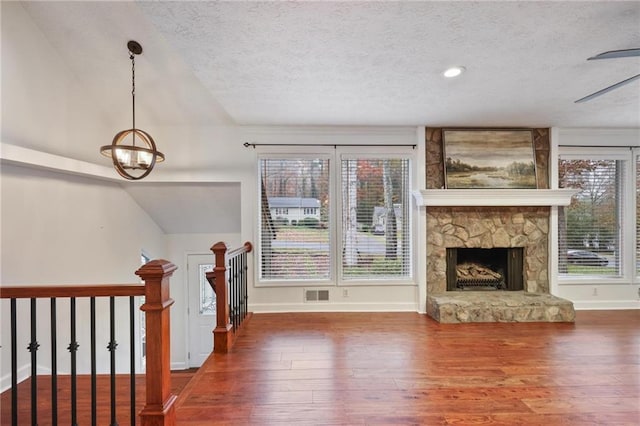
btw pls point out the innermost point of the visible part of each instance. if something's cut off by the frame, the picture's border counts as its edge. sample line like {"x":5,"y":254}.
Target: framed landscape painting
{"x":489,"y":159}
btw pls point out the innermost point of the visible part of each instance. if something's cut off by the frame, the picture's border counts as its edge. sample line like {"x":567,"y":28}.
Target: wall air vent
{"x":316,"y":295}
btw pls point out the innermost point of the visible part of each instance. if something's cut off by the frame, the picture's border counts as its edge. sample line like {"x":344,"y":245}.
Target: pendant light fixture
{"x":133,"y":151}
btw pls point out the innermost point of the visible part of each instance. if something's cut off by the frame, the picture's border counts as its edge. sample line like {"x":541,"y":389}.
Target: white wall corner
{"x":24,"y":373}
{"x":421,"y":222}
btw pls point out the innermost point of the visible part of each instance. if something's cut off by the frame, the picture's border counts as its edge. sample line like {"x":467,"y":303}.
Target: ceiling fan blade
{"x":608,"y":89}
{"x":624,"y":53}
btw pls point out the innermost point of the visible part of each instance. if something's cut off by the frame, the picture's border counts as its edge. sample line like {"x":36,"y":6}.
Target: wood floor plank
{"x":404,"y":368}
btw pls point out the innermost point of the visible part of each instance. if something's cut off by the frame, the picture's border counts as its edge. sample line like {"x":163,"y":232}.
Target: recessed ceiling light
{"x":453,"y":72}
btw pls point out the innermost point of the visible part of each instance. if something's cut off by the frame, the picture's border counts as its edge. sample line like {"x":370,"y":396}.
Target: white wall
{"x":592,"y":294}
{"x":64,"y":229}
{"x":43,"y":106}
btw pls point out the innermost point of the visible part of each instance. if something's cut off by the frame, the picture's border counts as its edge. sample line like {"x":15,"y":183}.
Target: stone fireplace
{"x":502,"y":238}
{"x":487,"y":228}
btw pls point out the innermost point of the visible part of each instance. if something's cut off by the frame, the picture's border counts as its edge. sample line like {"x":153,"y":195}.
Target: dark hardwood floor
{"x":103,"y":412}
{"x":402,"y":369}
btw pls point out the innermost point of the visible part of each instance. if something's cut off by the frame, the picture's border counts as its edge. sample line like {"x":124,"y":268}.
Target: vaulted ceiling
{"x":353,"y":63}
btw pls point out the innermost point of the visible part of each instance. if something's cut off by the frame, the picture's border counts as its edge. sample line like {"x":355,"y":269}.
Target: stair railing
{"x":158,"y":408}
{"x":231,"y":295}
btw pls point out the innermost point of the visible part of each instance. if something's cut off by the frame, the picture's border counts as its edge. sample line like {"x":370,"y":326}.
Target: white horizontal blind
{"x":637,"y":258}
{"x":590,"y":240}
{"x":294,"y":231}
{"x":375,"y":234}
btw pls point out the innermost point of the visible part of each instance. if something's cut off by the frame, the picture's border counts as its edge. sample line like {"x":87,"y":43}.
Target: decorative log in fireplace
{"x":485,"y":269}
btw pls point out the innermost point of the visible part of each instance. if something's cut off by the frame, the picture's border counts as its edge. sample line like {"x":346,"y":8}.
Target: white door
{"x":202,"y":309}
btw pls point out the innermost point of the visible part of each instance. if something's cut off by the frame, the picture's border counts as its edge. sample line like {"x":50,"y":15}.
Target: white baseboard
{"x":24,"y":373}
{"x":603,"y":305}
{"x":179,"y":365}
{"x":332,"y":307}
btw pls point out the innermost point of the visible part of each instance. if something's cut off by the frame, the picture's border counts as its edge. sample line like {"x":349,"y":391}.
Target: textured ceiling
{"x":357,"y":63}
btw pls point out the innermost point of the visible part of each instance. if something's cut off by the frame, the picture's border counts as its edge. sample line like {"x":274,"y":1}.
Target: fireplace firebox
{"x":498,"y":268}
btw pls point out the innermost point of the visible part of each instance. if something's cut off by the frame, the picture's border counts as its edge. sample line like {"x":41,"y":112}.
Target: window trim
{"x":411,"y":280}
{"x":335,"y":156}
{"x":292,"y":154}
{"x":627,"y":215}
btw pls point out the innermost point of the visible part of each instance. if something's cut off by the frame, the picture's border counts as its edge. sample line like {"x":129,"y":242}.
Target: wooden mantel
{"x":494,"y":197}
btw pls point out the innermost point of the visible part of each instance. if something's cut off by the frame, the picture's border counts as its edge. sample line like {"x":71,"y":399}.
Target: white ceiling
{"x":354,"y":63}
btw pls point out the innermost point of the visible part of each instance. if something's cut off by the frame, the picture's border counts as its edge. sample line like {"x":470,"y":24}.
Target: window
{"x":591,"y":229}
{"x":297,"y":250}
{"x":375,"y":218}
{"x":361,"y":231}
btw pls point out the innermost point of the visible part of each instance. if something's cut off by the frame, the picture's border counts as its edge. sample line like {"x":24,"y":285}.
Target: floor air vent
{"x":316,"y":295}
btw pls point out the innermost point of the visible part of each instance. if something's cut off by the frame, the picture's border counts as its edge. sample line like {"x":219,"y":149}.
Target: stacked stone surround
{"x":491,"y":227}
{"x":488,"y":227}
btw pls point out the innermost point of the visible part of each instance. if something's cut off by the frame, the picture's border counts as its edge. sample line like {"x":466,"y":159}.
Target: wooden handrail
{"x":245,"y":248}
{"x":80,"y":290}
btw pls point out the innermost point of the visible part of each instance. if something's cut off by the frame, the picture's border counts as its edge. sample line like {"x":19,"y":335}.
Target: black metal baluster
{"x":235,"y":291}
{"x":33,"y":348}
{"x":240,"y":307}
{"x":94,"y":393}
{"x":132,"y":336}
{"x":73,"y":349}
{"x":238,"y":272}
{"x":243,"y":284}
{"x":240,"y":295}
{"x":14,"y":365}
{"x":54,"y":364}
{"x":245,"y":295}
{"x":238,"y":288}
{"x":112,"y":349}
{"x":232,"y":292}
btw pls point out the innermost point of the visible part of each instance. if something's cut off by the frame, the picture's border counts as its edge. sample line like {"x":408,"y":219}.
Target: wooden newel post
{"x":222,"y":334}
{"x":159,"y":407}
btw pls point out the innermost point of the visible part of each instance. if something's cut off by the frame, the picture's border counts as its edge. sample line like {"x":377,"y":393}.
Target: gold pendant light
{"x":133,"y":151}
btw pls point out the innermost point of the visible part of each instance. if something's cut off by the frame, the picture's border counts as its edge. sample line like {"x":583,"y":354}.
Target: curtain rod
{"x":600,"y":146}
{"x":334,"y":145}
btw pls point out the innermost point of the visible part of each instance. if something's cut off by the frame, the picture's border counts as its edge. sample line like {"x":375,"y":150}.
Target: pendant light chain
{"x":133,"y":93}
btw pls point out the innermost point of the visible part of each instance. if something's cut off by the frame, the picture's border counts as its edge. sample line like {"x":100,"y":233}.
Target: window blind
{"x":637,"y":259}
{"x":375,"y":222}
{"x":294,"y":232}
{"x":589,"y":240}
